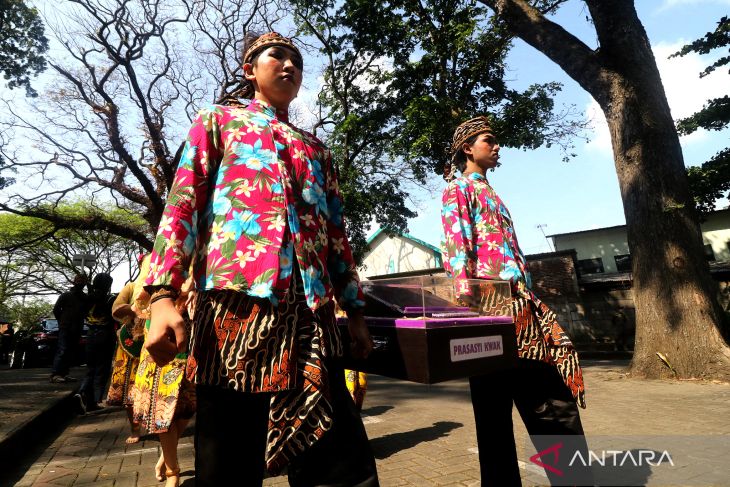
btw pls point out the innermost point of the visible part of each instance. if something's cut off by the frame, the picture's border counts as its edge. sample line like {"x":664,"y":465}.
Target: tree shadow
{"x":387,"y":445}
{"x":395,"y":391}
{"x":376,"y":410}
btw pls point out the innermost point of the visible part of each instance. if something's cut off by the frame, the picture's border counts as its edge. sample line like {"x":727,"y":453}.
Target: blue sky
{"x":538,"y":187}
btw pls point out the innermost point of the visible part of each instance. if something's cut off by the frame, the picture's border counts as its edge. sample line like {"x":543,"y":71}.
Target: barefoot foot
{"x":134,"y":437}
{"x":160,"y":469}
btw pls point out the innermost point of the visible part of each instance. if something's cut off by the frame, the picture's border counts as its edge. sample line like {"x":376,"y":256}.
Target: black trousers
{"x":99,"y":357}
{"x":230,"y":441}
{"x":68,"y":341}
{"x":544,"y":403}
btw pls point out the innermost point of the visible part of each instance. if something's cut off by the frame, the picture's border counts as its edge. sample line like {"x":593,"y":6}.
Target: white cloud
{"x":669,"y":4}
{"x":686,"y":91}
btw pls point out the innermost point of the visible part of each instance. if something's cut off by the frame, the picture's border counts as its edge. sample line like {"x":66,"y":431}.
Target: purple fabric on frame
{"x":432,"y":309}
{"x":432,"y":322}
{"x":446,"y":322}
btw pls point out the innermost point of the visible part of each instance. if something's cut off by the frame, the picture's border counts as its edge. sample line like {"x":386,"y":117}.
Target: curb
{"x":56,"y":416}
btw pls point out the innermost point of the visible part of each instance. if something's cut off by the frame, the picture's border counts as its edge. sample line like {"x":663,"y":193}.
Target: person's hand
{"x":360,"y":342}
{"x":166,"y":336}
{"x":139,"y":314}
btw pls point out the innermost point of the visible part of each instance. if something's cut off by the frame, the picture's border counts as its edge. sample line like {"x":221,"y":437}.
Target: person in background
{"x":130,"y":338}
{"x":357,"y":386}
{"x":70,"y":311}
{"x":99,"y":344}
{"x":164,"y":398}
{"x":480,"y":243}
{"x":7,"y":334}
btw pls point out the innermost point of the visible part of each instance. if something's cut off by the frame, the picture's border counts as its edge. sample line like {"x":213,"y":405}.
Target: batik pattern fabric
{"x":162,"y":394}
{"x":247,"y":344}
{"x":480,"y":243}
{"x":130,"y":338}
{"x":126,"y":361}
{"x":252,"y":195}
{"x":357,"y":386}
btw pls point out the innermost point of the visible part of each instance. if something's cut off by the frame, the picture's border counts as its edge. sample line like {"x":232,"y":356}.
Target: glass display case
{"x":427,"y":330}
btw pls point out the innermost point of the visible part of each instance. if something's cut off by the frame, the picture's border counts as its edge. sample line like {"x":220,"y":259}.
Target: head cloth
{"x":267,"y":40}
{"x":466,"y":130}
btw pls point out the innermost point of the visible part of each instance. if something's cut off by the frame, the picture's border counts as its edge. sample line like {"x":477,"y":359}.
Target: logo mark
{"x":554,"y":451}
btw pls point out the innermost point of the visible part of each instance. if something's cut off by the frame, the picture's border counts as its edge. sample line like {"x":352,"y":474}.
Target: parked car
{"x":36,"y":347}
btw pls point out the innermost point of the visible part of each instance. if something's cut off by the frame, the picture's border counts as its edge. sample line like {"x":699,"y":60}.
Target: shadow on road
{"x":376,"y":410}
{"x":385,"y":446}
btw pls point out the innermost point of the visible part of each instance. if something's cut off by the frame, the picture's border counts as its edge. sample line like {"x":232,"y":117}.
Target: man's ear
{"x":248,"y":71}
{"x":466,"y":148}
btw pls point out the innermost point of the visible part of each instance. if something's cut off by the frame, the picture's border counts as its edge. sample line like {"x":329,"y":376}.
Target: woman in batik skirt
{"x":546,"y":385}
{"x":357,"y":386}
{"x":164,"y":400}
{"x":255,"y":206}
{"x":130,"y":338}
{"x":356,"y":381}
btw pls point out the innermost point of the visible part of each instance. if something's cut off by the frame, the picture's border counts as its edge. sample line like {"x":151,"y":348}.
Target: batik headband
{"x":464,"y":132}
{"x":268,"y":40}
{"x":468,"y":129}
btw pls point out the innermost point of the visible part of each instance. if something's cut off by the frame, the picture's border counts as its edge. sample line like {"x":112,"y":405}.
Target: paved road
{"x":424,"y":435}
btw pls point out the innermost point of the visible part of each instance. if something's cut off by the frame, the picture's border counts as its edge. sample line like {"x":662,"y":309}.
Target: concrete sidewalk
{"x":30,"y":404}
{"x":424,"y":435}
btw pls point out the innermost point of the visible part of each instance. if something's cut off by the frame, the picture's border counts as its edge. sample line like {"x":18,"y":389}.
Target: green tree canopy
{"x":22,"y":44}
{"x":399,"y":77}
{"x":36,"y":257}
{"x":28,"y":314}
{"x":710,"y":181}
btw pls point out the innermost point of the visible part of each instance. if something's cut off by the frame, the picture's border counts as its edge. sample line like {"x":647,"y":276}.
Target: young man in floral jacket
{"x":255,"y":204}
{"x":480,"y":243}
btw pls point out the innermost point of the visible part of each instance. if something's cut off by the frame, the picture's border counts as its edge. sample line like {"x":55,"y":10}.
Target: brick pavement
{"x":421,"y":435}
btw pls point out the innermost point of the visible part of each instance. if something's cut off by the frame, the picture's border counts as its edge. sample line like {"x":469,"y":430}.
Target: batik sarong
{"x":126,"y":362}
{"x":162,"y":394}
{"x":250,"y":345}
{"x":540,"y":337}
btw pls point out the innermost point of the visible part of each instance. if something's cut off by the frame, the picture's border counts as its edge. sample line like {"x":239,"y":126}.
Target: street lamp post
{"x":84,"y":260}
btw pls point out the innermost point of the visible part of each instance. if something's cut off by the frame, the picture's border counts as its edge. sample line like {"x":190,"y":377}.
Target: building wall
{"x":603,"y":243}
{"x":595,"y":319}
{"x":609,"y":242}
{"x":716,"y":232}
{"x":553,"y":274}
{"x":389,"y":255}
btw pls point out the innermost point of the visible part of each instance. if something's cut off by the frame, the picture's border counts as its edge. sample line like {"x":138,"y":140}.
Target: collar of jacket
{"x":476,"y":175}
{"x":268,"y":110}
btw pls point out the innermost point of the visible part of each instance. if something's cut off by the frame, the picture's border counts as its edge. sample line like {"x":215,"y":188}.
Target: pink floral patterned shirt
{"x":253,"y":197}
{"x":480,"y":240}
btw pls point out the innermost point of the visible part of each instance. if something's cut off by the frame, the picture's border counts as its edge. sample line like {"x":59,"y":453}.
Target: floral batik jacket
{"x":252,"y":197}
{"x":480,"y":242}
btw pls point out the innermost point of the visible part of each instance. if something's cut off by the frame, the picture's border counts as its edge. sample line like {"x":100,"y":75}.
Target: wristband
{"x":161,"y":297}
{"x":163,"y":293}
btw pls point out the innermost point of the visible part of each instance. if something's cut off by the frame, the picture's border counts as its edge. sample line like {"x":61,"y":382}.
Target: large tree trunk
{"x":677,"y":313}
